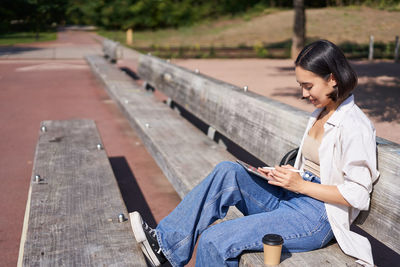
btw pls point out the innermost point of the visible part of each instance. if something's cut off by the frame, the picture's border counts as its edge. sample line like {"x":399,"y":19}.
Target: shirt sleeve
{"x":359,"y":165}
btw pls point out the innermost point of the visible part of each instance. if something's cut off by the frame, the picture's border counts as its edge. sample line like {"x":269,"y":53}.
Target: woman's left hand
{"x":287,"y":179}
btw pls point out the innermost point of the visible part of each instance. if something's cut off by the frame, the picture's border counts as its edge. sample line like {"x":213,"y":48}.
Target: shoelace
{"x":150,"y":230}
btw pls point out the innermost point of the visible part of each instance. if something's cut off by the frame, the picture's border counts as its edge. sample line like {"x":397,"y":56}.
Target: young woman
{"x":337,"y":160}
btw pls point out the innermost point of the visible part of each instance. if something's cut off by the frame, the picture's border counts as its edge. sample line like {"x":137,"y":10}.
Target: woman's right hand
{"x":266,"y":172}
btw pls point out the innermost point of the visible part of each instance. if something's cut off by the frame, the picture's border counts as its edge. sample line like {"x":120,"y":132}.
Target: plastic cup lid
{"x":272,"y":240}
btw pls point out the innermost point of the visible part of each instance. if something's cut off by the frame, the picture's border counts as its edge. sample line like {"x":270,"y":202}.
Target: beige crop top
{"x":310,"y":153}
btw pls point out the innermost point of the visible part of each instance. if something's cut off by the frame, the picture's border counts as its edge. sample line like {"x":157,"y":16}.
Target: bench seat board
{"x":73,"y":212}
{"x":256,"y":122}
{"x":186,"y":155}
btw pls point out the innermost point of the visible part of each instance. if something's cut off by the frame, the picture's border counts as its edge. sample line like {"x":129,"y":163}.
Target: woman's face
{"x":315,"y":88}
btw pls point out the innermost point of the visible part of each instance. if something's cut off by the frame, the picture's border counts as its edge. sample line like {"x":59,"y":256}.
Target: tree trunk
{"x":299,"y":28}
{"x":37,"y":30}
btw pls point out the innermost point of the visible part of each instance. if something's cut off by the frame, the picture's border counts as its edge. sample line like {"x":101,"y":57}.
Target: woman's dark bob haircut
{"x":324,"y":58}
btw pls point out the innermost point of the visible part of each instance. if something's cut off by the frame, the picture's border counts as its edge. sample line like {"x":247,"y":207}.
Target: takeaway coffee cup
{"x":272,"y":249}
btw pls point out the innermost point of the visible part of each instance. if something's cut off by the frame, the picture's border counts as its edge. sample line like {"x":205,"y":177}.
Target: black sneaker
{"x":146,"y":237}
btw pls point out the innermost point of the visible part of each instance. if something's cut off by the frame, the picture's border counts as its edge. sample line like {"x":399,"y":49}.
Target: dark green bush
{"x":146,"y":14}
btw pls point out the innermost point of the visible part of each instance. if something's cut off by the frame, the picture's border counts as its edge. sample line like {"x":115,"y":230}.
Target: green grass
{"x":201,"y":33}
{"x":26,"y":37}
{"x":345,"y":24}
{"x":269,"y":33}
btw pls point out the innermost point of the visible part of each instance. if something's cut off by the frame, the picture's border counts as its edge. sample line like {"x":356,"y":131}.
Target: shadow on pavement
{"x":379,"y":101}
{"x":130,"y":191}
{"x":17,"y":49}
{"x":378,"y":91}
{"x":376,"y":69}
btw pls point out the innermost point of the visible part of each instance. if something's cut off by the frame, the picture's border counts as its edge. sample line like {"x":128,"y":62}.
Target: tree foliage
{"x":32,"y":15}
{"x":141,"y":14}
{"x":151,"y":14}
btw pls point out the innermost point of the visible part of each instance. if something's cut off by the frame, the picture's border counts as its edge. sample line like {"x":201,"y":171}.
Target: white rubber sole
{"x":140,"y":236}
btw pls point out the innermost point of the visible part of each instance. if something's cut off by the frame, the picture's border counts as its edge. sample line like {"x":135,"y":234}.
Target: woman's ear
{"x":332,"y":80}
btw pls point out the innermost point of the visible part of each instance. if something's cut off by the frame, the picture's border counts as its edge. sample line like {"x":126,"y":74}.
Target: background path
{"x":69,"y":45}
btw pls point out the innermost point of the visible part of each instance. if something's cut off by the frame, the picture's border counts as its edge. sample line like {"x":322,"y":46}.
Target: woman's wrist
{"x":303,"y":187}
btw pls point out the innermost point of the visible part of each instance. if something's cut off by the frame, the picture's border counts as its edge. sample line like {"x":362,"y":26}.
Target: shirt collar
{"x":340,"y":112}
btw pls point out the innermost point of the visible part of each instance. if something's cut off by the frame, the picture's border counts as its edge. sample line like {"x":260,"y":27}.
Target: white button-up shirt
{"x":347,"y":159}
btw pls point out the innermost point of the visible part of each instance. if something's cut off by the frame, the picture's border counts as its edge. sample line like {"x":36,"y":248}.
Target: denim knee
{"x":225,"y":167}
{"x":228,"y":166}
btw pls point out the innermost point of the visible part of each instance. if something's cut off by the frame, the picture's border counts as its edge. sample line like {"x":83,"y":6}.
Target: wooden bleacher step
{"x":73,"y":208}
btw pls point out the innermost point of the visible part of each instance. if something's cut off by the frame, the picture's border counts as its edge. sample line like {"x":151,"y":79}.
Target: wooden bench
{"x":74,"y":203}
{"x":112,"y":50}
{"x":229,"y":114}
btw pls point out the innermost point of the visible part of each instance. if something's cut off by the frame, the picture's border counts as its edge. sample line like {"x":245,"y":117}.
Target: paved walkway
{"x":69,"y":45}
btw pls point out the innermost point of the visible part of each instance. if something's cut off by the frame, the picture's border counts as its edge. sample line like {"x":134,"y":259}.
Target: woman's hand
{"x":266,"y":172}
{"x":290,"y":180}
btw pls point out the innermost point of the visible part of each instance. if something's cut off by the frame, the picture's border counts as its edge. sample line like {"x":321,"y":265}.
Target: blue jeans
{"x":299,"y":219}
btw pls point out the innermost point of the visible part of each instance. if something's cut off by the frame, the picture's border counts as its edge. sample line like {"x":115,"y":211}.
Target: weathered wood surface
{"x":256,"y":123}
{"x":73,"y":211}
{"x":383,"y":218}
{"x":330,"y":256}
{"x":186,"y":155}
{"x":112,"y":50}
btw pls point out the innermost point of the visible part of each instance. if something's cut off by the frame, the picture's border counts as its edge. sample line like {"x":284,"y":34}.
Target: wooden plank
{"x":73,"y":218}
{"x":268,"y":129}
{"x":328,"y":256}
{"x":382,"y":220}
{"x":186,"y":155}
